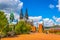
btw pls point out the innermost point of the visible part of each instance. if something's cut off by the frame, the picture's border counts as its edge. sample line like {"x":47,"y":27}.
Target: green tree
{"x":11,"y":17}
{"x":22,"y":27}
{"x":3,"y":23}
{"x":3,"y":20}
{"x":21,"y":14}
{"x":26,"y":14}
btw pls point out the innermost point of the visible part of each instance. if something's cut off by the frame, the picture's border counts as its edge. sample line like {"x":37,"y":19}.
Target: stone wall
{"x":40,"y":28}
{"x":33,"y":29}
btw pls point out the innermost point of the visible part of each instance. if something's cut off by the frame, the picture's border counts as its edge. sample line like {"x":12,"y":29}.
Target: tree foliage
{"x":22,"y":27}
{"x":3,"y":24}
{"x":3,"y":20}
{"x":11,"y":17}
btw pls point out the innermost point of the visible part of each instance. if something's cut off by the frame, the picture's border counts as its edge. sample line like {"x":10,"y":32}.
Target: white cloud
{"x":37,"y":23}
{"x":9,"y":5}
{"x":36,"y":19}
{"x":48,"y":22}
{"x":16,"y":16}
{"x":39,"y":20}
{"x":7,"y":15}
{"x":57,"y":20}
{"x":54,"y":17}
{"x":51,"y":6}
{"x":58,"y":6}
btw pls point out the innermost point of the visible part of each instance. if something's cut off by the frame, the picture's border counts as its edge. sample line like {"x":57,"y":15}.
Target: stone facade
{"x":33,"y":29}
{"x":40,"y":28}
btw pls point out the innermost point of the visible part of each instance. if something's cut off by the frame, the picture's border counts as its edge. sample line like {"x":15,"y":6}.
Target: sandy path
{"x":35,"y":36}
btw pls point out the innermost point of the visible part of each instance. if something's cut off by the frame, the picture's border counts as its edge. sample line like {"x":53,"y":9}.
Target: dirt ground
{"x":34,"y":36}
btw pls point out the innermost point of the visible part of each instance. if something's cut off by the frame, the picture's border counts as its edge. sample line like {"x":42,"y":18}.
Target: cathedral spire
{"x":26,"y":14}
{"x":21,"y":14}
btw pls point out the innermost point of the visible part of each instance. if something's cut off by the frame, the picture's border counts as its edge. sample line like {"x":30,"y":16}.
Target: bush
{"x":4,"y":32}
{"x":22,"y":27}
{"x":3,"y":24}
{"x":11,"y":30}
{"x":11,"y":33}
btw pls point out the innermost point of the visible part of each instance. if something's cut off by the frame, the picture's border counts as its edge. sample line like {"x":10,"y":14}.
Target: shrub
{"x":3,"y":24}
{"x":11,"y":30}
{"x":22,"y":27}
{"x":4,"y":32}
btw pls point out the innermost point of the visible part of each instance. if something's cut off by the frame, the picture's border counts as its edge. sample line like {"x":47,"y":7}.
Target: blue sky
{"x":41,"y":8}
{"x":38,"y":10}
{"x":47,"y":9}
